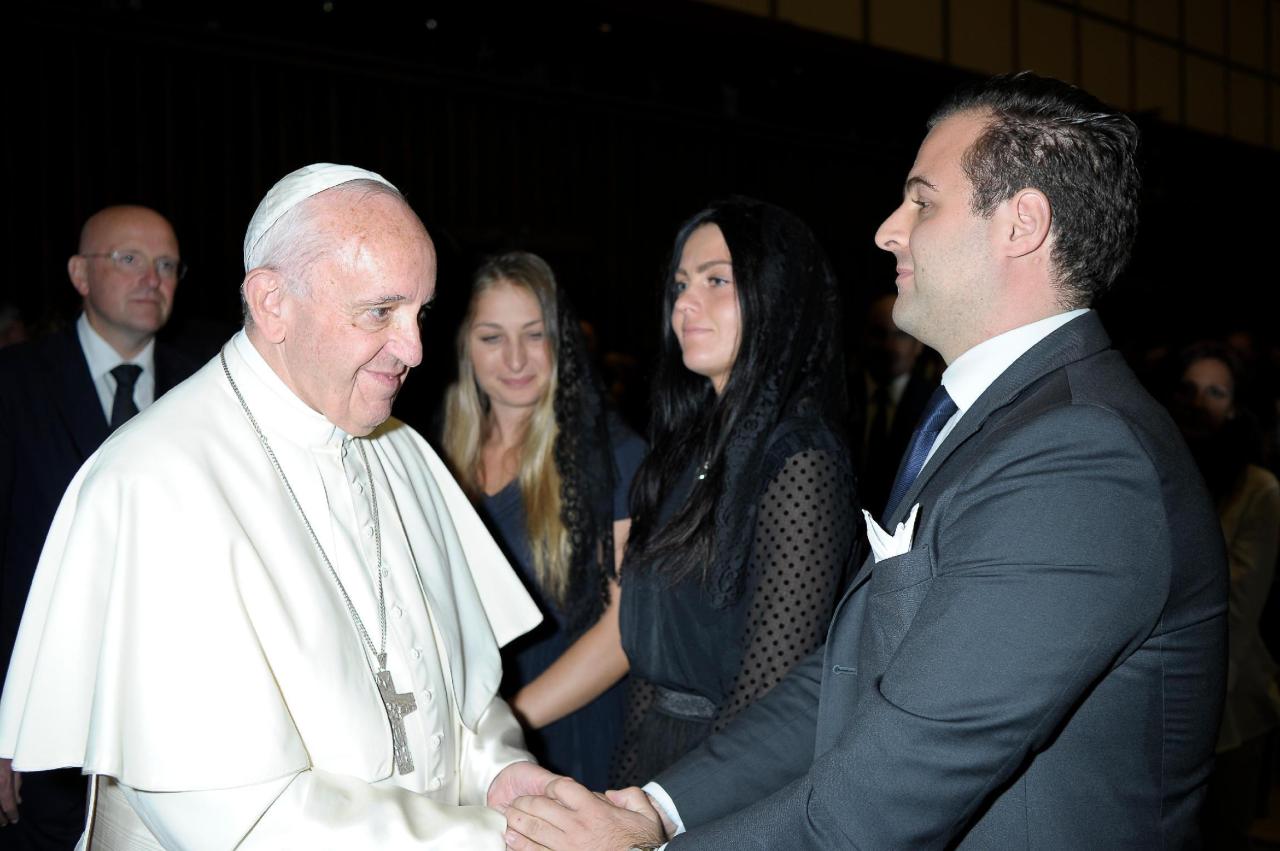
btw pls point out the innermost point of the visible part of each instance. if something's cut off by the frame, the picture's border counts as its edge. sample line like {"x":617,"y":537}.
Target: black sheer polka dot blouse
{"x":694,"y":664}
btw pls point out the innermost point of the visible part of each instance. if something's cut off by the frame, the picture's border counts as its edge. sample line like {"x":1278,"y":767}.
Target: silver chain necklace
{"x":397,"y":705}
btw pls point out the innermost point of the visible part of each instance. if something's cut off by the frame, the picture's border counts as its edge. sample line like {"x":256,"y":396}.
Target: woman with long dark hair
{"x":744,"y":517}
{"x":531,"y":441}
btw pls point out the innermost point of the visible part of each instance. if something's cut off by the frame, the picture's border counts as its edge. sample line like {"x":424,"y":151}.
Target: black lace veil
{"x":588,"y":475}
{"x":790,"y":363}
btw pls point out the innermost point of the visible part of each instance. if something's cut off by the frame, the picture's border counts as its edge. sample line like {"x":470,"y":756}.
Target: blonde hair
{"x":467,"y":424}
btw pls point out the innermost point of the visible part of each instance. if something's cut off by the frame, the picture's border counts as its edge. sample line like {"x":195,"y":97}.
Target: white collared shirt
{"x":969,"y":375}
{"x":967,"y":378}
{"x":102,"y":359}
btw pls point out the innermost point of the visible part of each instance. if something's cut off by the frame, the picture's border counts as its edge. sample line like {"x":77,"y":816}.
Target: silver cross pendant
{"x":398,"y":706}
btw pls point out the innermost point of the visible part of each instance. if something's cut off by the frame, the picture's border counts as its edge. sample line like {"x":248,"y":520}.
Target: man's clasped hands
{"x":547,"y":811}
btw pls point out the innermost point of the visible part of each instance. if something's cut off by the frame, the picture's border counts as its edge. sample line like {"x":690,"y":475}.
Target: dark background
{"x":583,"y":131}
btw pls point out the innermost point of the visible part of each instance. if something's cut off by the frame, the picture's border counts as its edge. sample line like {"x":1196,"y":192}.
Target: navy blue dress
{"x":581,"y":744}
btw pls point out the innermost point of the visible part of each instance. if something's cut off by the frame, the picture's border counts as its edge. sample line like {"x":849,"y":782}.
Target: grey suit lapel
{"x":1078,"y":339}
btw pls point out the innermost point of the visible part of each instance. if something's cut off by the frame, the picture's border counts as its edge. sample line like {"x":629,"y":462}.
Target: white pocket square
{"x":884,"y":545}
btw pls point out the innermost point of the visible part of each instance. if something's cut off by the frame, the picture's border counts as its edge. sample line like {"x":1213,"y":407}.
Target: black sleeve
{"x":805,"y":533}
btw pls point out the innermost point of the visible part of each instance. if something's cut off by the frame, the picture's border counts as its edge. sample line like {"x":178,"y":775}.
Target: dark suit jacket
{"x":1043,"y":669}
{"x":51,"y":420}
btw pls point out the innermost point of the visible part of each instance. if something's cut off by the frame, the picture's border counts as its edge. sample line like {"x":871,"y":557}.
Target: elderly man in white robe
{"x":265,"y":615}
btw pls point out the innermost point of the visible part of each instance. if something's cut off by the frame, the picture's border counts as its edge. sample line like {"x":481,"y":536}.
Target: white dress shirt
{"x":967,"y":378}
{"x":969,"y":375}
{"x":102,"y":359}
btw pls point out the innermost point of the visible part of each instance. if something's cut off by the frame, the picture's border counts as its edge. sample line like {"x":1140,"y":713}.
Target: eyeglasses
{"x":136,"y":263}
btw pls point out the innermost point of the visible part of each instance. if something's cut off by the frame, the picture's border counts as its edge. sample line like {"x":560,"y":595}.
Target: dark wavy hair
{"x":1049,"y":135}
{"x":789,"y":363}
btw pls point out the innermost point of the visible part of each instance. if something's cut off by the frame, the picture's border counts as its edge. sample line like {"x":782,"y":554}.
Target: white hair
{"x":294,"y":243}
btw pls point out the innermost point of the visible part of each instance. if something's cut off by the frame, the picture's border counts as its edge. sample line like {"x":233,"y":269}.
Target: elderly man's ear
{"x":264,"y":292}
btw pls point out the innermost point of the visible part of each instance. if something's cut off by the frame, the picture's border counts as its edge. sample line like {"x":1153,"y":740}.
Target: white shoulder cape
{"x":181,"y":634}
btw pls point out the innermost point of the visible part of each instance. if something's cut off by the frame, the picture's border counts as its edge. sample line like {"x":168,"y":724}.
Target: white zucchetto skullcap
{"x":293,"y":189}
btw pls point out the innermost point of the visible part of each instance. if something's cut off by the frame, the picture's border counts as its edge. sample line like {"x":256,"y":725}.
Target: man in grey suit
{"x":1038,"y":659}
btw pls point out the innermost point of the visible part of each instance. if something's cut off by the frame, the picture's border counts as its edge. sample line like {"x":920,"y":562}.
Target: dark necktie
{"x":935,"y":416}
{"x":122,"y":408}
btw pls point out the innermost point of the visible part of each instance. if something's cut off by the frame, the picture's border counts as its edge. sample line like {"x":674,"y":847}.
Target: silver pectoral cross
{"x":398,"y":706}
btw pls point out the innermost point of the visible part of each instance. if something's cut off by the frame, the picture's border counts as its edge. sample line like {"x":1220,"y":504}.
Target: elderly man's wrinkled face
{"x":352,"y":331}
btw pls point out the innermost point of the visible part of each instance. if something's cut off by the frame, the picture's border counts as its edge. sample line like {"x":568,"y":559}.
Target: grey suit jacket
{"x":1044,"y":668}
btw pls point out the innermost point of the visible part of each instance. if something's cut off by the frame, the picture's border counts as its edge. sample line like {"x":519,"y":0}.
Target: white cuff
{"x":663,"y":801}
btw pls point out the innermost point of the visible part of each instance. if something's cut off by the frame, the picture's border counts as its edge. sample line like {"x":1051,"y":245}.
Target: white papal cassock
{"x":184,"y":640}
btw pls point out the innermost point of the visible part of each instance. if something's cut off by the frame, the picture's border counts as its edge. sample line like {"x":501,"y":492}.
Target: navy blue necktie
{"x":123,"y":407}
{"x":935,"y":416}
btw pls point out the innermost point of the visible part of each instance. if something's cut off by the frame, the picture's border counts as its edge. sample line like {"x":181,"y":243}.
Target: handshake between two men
{"x":547,"y":811}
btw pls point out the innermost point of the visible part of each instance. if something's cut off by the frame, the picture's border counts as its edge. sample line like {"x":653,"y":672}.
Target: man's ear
{"x":78,"y":272}
{"x":1029,"y":218}
{"x":264,"y":293}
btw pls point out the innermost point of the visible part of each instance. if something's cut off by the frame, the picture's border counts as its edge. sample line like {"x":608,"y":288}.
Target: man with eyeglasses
{"x":59,"y":399}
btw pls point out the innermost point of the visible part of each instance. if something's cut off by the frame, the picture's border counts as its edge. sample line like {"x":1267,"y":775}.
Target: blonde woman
{"x":530,"y":439}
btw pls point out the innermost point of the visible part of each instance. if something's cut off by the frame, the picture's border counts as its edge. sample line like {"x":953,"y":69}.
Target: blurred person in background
{"x":60,"y":397}
{"x":1225,"y":442}
{"x":13,"y":329}
{"x":889,"y":393}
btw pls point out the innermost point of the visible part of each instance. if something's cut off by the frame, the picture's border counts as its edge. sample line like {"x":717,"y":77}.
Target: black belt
{"x":682,"y":704}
